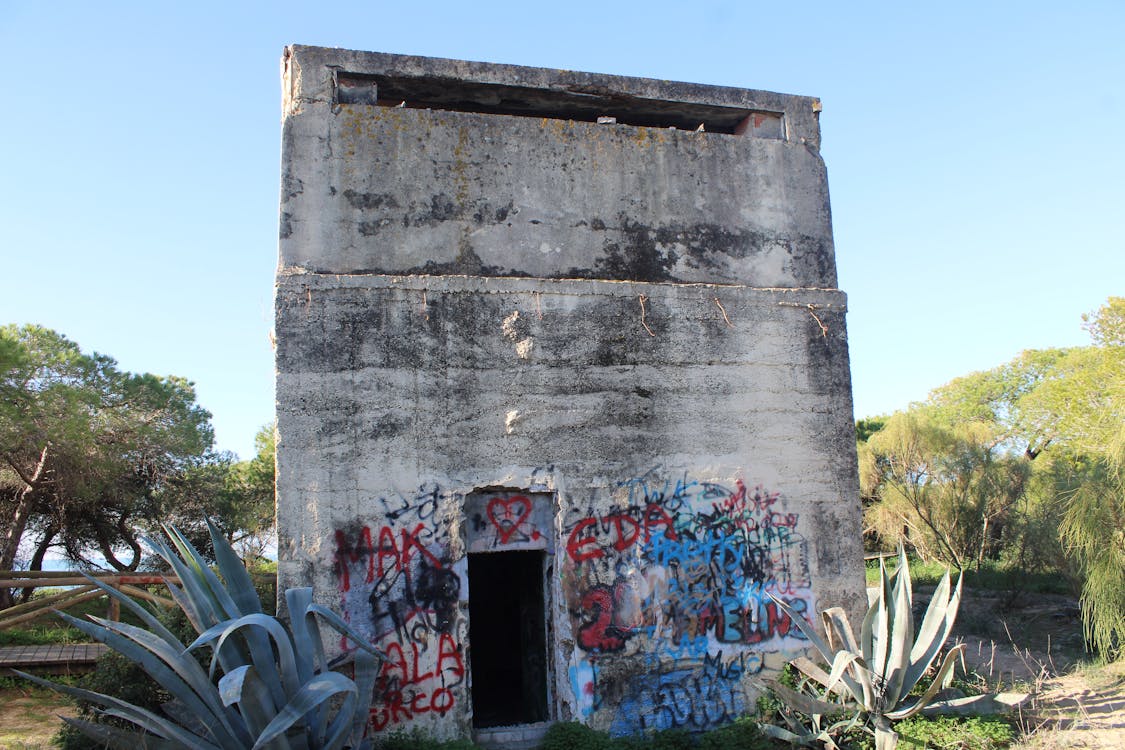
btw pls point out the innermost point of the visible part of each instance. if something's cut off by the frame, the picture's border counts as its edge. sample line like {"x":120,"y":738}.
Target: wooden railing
{"x":78,"y":590}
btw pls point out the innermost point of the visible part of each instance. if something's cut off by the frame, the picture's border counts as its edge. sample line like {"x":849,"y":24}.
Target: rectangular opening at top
{"x":574,"y":104}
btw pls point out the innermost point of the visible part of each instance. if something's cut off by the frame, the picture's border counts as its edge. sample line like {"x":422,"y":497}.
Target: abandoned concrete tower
{"x":562,"y":387}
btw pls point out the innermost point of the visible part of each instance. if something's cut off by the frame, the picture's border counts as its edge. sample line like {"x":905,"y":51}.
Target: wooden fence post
{"x":113,"y":614}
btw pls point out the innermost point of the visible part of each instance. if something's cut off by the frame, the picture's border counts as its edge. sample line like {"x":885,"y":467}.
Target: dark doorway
{"x":507,"y":638}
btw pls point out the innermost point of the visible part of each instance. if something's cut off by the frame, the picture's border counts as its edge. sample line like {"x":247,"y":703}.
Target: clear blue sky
{"x":974,"y":149}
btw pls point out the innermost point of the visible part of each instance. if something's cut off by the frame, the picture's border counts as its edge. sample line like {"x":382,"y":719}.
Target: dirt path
{"x":1085,"y":709}
{"x":29,"y":717}
{"x":1071,"y":707}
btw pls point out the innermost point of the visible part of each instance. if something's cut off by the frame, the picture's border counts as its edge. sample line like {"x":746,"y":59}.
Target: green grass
{"x":419,"y":740}
{"x":993,"y":575}
{"x":743,"y":734}
{"x":968,"y":733}
{"x":42,"y":633}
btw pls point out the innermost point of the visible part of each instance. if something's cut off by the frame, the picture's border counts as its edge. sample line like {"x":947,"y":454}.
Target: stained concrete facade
{"x":563,"y":392}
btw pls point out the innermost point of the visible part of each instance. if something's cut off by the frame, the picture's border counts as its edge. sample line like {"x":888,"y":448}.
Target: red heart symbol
{"x":507,"y":513}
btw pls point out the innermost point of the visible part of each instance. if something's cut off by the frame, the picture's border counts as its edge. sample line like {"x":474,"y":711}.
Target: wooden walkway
{"x":73,"y":658}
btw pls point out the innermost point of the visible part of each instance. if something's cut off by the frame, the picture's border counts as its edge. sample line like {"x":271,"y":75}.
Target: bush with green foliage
{"x":113,"y":674}
{"x":991,"y":575}
{"x":671,"y":739}
{"x":743,"y":734}
{"x":268,"y":685}
{"x":419,"y":740}
{"x":571,"y":735}
{"x":964,"y":733}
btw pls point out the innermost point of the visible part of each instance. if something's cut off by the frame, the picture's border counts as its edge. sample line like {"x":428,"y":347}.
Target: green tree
{"x":865,"y":428}
{"x":1091,"y":408}
{"x":85,"y":448}
{"x":251,"y":488}
{"x":945,"y":488}
{"x":1025,"y":460}
{"x":238,"y":496}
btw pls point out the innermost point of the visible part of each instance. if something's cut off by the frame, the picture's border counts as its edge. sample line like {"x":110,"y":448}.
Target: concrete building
{"x":562,"y":388}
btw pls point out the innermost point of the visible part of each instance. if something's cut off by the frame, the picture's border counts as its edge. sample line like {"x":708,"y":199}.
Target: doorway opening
{"x":508,"y":638}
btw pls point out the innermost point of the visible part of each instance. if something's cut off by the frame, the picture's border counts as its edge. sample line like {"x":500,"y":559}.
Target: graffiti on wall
{"x":669,"y":585}
{"x":685,"y":570}
{"x":398,"y":586}
{"x":509,"y":520}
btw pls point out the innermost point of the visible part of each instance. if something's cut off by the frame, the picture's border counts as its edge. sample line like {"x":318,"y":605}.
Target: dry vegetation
{"x":29,"y":716}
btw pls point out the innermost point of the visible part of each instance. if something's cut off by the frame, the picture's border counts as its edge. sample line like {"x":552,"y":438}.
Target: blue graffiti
{"x":693,"y":699}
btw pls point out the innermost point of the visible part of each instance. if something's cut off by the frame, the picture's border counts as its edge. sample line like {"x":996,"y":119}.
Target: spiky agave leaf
{"x":814,"y":733}
{"x":308,"y":644}
{"x":246,"y":625}
{"x":826,"y":652}
{"x":318,"y":690}
{"x":338,"y":624}
{"x":900,"y":635}
{"x":147,"y":720}
{"x":941,"y":680}
{"x":246,"y":688}
{"x":806,"y":704}
{"x":836,"y":619}
{"x":785,"y":735}
{"x":367,"y":659}
{"x":937,"y":624}
{"x":238,"y":581}
{"x":886,"y":738}
{"x":198,"y":579}
{"x":142,"y":613}
{"x":180,"y":675}
{"x":206,"y":595}
{"x":366,"y":670}
{"x":813,"y":671}
{"x":288,"y":699}
{"x":882,"y":623}
{"x":116,"y":738}
{"x":888,"y":659}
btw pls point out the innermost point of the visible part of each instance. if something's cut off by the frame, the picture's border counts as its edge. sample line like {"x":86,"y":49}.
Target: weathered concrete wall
{"x":619,"y":345}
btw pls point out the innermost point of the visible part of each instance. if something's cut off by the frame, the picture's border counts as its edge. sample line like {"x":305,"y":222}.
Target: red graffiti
{"x":789,"y":520}
{"x":576,"y":542}
{"x":402,"y":707}
{"x":741,"y":502}
{"x":347,"y":553}
{"x":400,"y":671}
{"x":407,"y":691}
{"x":507,"y":513}
{"x":393,"y":553}
{"x":601,"y":634}
{"x":609,"y":629}
{"x":623,"y":528}
{"x":625,"y":539}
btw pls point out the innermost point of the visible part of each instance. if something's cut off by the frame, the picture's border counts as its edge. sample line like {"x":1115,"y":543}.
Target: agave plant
{"x":268,"y":686}
{"x":872,"y":677}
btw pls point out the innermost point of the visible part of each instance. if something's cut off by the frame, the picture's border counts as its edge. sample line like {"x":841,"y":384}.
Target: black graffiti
{"x":427,"y":600}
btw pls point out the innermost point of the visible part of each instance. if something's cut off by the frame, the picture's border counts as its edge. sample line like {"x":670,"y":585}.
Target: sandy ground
{"x":1070,"y":706}
{"x":29,"y":717}
{"x":1085,"y":709}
